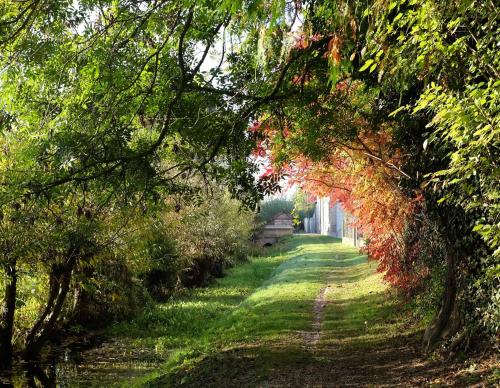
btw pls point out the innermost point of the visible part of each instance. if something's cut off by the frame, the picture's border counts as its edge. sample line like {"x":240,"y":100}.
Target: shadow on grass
{"x":267,"y":300}
{"x":243,"y":367}
{"x":229,"y":304}
{"x":362,"y":321}
{"x":277,"y":310}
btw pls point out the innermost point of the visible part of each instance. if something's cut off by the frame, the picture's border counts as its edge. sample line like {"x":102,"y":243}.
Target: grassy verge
{"x":205,"y":319}
{"x":268,"y":324}
{"x":258,"y":326}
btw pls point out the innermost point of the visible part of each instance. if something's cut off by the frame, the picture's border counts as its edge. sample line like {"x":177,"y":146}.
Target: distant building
{"x":332,"y":220}
{"x":280,"y":225}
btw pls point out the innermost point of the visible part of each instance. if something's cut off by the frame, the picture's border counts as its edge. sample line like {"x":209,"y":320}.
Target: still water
{"x":104,"y":364}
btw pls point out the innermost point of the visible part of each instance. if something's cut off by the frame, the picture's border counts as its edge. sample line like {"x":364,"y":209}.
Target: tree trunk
{"x":54,"y":278}
{"x":37,"y":376}
{"x":82,"y":302}
{"x":7,"y":316}
{"x":46,"y":323}
{"x":445,"y":323}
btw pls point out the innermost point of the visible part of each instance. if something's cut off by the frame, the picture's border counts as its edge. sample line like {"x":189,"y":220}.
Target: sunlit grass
{"x":361,"y":312}
{"x":186,"y":319}
{"x":236,"y":312}
{"x":284,"y":304}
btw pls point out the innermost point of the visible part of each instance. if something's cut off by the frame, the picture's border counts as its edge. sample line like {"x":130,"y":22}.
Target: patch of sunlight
{"x":279,"y":304}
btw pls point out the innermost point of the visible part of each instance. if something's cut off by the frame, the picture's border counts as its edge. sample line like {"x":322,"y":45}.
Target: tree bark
{"x":37,"y":376}
{"x":445,"y":323}
{"x":53,"y":292}
{"x":46,"y":323}
{"x":81,"y":310}
{"x":7,"y":316}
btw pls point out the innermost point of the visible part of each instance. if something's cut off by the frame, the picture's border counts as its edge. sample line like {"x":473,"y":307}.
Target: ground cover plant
{"x":283,"y":334}
{"x":275,"y":311}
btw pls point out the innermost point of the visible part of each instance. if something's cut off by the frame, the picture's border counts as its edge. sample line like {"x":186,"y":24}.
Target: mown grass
{"x":207,"y":319}
{"x":252,"y":322}
{"x":250,"y":328}
{"x":360,"y":312}
{"x":229,"y":315}
{"x":188,"y":318}
{"x":283,"y":305}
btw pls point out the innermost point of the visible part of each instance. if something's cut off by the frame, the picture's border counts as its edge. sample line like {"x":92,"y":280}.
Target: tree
{"x":105,"y":106}
{"x":401,"y":96}
{"x":303,"y":207}
{"x":270,"y":207}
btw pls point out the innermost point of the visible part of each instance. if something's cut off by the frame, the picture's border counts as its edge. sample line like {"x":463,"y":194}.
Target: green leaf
{"x":366,"y":65}
{"x":395,"y":112}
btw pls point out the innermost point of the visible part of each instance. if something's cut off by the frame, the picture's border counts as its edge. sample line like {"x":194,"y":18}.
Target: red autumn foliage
{"x":364,"y":181}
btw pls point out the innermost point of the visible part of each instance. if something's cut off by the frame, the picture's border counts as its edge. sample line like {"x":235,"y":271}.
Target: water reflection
{"x":30,"y":375}
{"x":105,"y":365}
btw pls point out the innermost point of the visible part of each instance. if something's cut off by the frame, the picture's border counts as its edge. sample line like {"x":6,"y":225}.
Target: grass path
{"x":322,"y":301}
{"x":280,"y":311}
{"x":312,"y":313}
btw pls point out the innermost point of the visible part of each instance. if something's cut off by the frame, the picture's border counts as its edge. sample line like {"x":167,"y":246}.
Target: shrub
{"x":210,"y":237}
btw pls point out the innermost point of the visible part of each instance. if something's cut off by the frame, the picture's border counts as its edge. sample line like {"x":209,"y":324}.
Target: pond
{"x":102,"y":363}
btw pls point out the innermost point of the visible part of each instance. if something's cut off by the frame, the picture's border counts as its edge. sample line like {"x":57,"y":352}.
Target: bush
{"x":105,"y":293}
{"x":185,"y":244}
{"x":161,"y":277}
{"x":210,"y":237}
